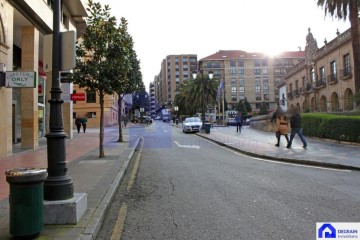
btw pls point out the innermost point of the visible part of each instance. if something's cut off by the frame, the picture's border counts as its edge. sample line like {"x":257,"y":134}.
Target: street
{"x":181,"y":186}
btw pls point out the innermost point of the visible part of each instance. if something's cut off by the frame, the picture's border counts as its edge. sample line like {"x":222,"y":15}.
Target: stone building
{"x":323,"y":81}
{"x":254,"y":76}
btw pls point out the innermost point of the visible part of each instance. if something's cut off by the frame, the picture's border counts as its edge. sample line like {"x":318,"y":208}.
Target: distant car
{"x":191,"y":124}
{"x":231,"y":122}
{"x":157,"y":118}
{"x":145,"y":119}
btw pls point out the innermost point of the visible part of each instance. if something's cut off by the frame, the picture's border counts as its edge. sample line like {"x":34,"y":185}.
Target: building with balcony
{"x":175,"y":69}
{"x":323,"y":81}
{"x":251,"y":76}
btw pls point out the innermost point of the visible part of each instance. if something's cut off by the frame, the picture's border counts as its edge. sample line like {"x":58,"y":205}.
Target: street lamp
{"x":58,"y":185}
{"x":210,"y":75}
{"x":176,"y":108}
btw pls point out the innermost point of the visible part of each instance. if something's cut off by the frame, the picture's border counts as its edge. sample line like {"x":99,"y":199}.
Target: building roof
{"x":239,"y":54}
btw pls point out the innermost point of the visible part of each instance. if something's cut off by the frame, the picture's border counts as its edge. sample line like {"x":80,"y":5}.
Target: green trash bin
{"x":207,"y":127}
{"x":26,"y":201}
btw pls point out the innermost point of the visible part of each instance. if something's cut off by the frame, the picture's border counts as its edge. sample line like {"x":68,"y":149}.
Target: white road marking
{"x":187,"y":146}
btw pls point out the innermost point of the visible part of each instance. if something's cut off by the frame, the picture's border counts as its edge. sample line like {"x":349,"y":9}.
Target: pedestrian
{"x":282,"y":125}
{"x":78,"y":123}
{"x":83,"y":123}
{"x":211,"y":121}
{"x":125,"y":120}
{"x":295,"y":124}
{"x":238,"y":120}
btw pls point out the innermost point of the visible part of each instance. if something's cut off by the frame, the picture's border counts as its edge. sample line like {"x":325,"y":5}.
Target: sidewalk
{"x":98,"y":177}
{"x":262,"y":144}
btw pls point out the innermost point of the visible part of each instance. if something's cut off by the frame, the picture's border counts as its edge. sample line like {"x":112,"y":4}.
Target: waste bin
{"x":207,"y":127}
{"x":26,"y":201}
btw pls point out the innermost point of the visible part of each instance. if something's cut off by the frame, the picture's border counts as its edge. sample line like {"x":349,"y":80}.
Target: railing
{"x":290,"y":95}
{"x":320,"y":83}
{"x":345,"y":73}
{"x":332,"y":78}
{"x":307,"y":88}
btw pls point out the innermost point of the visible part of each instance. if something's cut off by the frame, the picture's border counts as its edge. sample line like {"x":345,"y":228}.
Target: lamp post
{"x":58,"y":185}
{"x":210,"y":75}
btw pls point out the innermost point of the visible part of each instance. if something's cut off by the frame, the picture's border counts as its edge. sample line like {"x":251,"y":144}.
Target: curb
{"x":283,"y":159}
{"x":94,"y":224}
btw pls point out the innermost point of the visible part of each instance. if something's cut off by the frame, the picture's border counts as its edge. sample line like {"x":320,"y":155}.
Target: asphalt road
{"x":181,"y":186}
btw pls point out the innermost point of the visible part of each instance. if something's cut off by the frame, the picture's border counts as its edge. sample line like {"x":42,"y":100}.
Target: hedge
{"x":341,"y":128}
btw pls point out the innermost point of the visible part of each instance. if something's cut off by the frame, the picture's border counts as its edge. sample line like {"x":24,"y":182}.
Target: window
{"x":265,"y":62}
{"x":256,"y":71}
{"x":296,"y":84}
{"x":233,"y":82}
{"x":265,"y":80}
{"x":257,"y":89}
{"x":241,"y":72}
{"x":65,"y":21}
{"x":258,"y":97}
{"x":312,"y":74}
{"x":257,"y":81}
{"x":333,"y":67}
{"x":233,"y":89}
{"x":322,"y":72}
{"x":347,"y":62}
{"x":232,"y":63}
{"x":185,"y":67}
{"x":303,"y":81}
{"x":241,"y":89}
{"x":240,"y":63}
{"x":257,"y":63}
{"x":264,"y":71}
{"x":90,"y":96}
{"x":241,"y":82}
{"x":266,"y":97}
{"x":185,"y":59}
{"x":266,"y":88}
{"x":232,"y":72}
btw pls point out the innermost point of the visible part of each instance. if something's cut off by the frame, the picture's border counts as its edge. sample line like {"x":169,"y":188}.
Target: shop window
{"x":90,"y":96}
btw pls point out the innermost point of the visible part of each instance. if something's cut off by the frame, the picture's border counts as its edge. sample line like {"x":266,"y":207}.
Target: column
{"x":29,"y":96}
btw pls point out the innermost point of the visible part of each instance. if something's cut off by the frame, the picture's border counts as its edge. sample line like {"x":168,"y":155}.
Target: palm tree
{"x":340,"y":9}
{"x":200,"y":92}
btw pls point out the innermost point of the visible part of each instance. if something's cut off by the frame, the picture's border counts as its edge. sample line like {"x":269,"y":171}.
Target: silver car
{"x":191,"y":124}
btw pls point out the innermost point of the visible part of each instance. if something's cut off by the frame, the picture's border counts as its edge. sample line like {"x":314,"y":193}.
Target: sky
{"x":203,"y":27}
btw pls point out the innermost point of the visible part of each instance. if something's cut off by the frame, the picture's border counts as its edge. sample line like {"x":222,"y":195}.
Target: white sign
{"x":20,"y":80}
{"x":67,"y":89}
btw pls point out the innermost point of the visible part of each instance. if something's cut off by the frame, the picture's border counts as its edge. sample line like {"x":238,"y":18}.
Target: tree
{"x":128,"y":70}
{"x":264,"y":109}
{"x":98,"y":58}
{"x":200,"y":92}
{"x":247,"y":106}
{"x":339,"y":9}
{"x":240,"y":107}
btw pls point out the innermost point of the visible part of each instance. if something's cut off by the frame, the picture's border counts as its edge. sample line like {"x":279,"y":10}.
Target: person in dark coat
{"x":238,"y":120}
{"x":295,"y":123}
{"x":78,"y":123}
{"x":83,"y":123}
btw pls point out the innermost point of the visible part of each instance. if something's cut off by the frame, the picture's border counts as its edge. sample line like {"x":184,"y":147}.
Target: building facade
{"x":324,"y":80}
{"x":90,"y":108}
{"x":23,"y":27}
{"x":251,"y":76}
{"x":175,"y":69}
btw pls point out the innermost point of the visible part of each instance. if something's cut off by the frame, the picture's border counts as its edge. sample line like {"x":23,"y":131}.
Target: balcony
{"x":308,"y":88}
{"x":290,"y":95}
{"x":319,"y":83}
{"x":332,"y":79}
{"x":346,"y":73}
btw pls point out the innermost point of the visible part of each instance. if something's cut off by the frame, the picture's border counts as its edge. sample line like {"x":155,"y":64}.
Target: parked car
{"x":191,"y":124}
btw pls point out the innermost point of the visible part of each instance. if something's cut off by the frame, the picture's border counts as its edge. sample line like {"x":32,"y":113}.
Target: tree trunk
{"x":101,"y":135}
{"x":353,"y":14}
{"x":119,"y":118}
